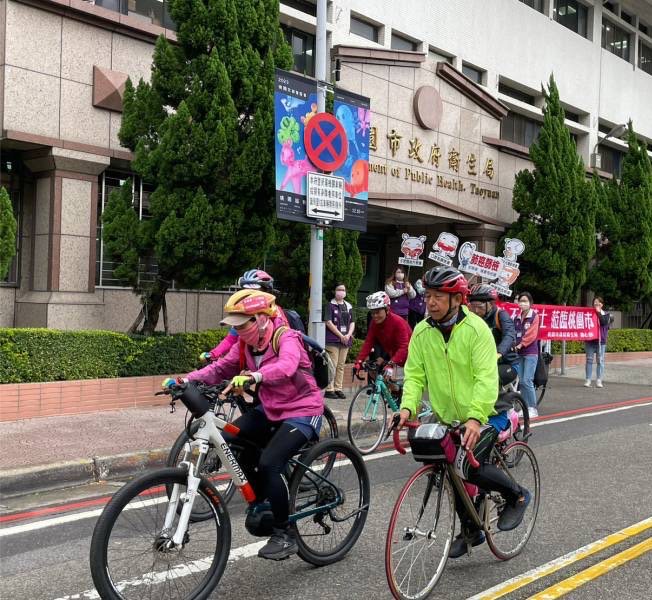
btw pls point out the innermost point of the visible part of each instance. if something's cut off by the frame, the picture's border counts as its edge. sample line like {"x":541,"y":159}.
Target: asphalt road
{"x":595,"y":477}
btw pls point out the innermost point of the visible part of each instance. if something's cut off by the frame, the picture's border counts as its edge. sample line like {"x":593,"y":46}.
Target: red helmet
{"x":446,"y":279}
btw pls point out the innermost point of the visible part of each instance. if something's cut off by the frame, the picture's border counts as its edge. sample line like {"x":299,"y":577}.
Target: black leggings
{"x":487,"y":477}
{"x":276,"y":443}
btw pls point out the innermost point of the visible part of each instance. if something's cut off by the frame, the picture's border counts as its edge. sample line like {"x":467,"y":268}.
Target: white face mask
{"x":400,"y":276}
{"x":524,"y":306}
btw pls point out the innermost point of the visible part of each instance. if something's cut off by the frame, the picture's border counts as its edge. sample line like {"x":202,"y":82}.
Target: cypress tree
{"x":8,"y":230}
{"x":202,"y":134}
{"x":623,"y":271}
{"x":556,"y":206}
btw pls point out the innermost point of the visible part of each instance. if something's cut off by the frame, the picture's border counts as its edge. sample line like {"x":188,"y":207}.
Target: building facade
{"x":455,"y":91}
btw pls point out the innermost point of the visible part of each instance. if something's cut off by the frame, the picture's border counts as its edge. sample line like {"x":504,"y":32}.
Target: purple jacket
{"x":288,"y":388}
{"x":527,"y":331}
{"x":604,"y":326}
{"x":418,"y":304}
{"x":400,"y":302}
{"x":341,"y":316}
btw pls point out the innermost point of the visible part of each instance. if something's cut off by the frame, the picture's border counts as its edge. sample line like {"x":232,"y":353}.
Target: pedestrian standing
{"x":340,"y":326}
{"x":597,"y":347}
{"x":527,"y":346}
{"x":400,"y":292}
{"x":417,"y":304}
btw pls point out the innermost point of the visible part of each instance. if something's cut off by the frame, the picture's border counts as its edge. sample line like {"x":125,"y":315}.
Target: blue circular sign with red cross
{"x":325,"y":141}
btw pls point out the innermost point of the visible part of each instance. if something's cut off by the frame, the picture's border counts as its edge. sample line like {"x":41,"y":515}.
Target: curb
{"x":46,"y":478}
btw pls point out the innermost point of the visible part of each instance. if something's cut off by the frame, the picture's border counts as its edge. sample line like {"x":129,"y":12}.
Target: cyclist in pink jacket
{"x":291,"y":405}
{"x":254,"y":279}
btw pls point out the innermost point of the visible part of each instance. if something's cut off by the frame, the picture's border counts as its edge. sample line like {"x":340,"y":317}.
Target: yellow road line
{"x":520,"y":581}
{"x":602,"y":568}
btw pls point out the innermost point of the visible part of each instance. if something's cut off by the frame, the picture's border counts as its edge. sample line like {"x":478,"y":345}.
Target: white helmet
{"x":377,"y":300}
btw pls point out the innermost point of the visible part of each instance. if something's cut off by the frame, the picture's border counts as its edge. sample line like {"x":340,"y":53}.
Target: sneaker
{"x":587,"y":383}
{"x":598,"y":383}
{"x":341,"y":394}
{"x":331,"y":395}
{"x":533,"y":412}
{"x":513,"y":512}
{"x":280,"y":546}
{"x":519,"y":414}
{"x":459,"y":546}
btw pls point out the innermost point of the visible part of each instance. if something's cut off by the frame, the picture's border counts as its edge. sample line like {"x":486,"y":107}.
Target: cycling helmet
{"x":245,"y":304}
{"x":483,"y":292}
{"x":446,"y":279}
{"x":257,"y":280}
{"x":377,"y":300}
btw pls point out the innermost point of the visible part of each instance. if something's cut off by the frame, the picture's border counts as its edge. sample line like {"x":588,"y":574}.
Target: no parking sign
{"x":325,"y":141}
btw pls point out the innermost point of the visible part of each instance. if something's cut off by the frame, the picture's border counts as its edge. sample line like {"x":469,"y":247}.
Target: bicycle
{"x":540,"y":390}
{"x":145,"y":543}
{"x":228,"y":409}
{"x":422,"y":524}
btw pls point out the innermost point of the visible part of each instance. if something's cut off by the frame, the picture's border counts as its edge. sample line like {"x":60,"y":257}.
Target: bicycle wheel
{"x":420,"y":534}
{"x":327,"y":536}
{"x":367,"y":419}
{"x":212,"y":470}
{"x":523,"y":432}
{"x":525,"y":471}
{"x":329,"y":428}
{"x":129,"y":557}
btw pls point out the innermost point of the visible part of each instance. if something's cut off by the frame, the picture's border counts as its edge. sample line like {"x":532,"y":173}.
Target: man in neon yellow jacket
{"x":452,"y":354}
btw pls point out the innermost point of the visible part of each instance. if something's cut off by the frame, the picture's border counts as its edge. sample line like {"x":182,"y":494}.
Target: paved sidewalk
{"x":54,"y":452}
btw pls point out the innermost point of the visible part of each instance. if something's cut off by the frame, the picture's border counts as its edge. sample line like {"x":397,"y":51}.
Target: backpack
{"x":323,"y":369}
{"x":541,"y":372}
{"x":294,"y":320}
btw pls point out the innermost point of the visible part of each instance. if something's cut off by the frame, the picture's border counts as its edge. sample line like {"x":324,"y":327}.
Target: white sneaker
{"x":519,"y":414}
{"x":598,"y":383}
{"x":587,"y":383}
{"x":533,"y":412}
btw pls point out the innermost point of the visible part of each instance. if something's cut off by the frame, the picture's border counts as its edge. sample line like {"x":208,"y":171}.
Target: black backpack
{"x":294,"y":320}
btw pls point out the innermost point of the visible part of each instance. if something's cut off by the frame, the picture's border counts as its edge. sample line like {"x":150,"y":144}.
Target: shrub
{"x":619,"y":340}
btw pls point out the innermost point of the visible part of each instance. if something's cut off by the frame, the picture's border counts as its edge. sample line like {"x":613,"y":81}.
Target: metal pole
{"x":562,"y":371}
{"x":316,"y":327}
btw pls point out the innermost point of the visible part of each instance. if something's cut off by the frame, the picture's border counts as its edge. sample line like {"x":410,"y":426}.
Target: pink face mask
{"x":340,"y":294}
{"x":250,"y":334}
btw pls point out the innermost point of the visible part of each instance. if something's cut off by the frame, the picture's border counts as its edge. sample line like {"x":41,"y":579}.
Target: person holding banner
{"x":598,"y":346}
{"x":527,"y":346}
{"x":400,"y":292}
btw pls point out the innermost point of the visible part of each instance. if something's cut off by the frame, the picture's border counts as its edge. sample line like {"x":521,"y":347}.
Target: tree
{"x":556,"y":206}
{"x":623,"y":270}
{"x":8,"y":230}
{"x":201,"y":131}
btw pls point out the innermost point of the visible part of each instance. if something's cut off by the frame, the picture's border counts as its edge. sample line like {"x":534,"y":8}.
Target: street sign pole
{"x":316,"y":328}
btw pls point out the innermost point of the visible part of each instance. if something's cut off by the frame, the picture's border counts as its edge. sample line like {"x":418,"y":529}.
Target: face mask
{"x":250,"y":334}
{"x":524,"y":306}
{"x":340,"y":295}
{"x":400,"y":276}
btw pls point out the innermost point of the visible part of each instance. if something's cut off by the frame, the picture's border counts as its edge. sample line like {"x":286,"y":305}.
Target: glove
{"x":358,"y":365}
{"x":240,"y":380}
{"x":205,"y":357}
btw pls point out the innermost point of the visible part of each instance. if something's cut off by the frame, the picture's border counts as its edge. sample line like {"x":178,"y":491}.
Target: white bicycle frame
{"x":209,"y":432}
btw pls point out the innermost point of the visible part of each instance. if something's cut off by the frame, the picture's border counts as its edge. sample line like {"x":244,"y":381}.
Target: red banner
{"x":562,"y":322}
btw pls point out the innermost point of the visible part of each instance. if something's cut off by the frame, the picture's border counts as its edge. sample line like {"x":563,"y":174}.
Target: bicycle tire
{"x":401,"y":529}
{"x":355,"y":425}
{"x":508,"y":544}
{"x":355,"y":510}
{"x":332,"y":431}
{"x":148,"y":486}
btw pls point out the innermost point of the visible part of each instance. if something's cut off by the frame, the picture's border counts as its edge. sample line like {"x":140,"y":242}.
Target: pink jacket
{"x":288,"y":388}
{"x":222,"y":349}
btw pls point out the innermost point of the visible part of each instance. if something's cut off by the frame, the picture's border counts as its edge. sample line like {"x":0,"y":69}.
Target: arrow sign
{"x":325,"y":196}
{"x":326,"y":212}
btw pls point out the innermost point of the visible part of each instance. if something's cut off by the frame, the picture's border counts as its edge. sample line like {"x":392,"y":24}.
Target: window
{"x":364,"y":29}
{"x":645,"y":58}
{"x":302,"y":5}
{"x":615,"y":39}
{"x":156,"y":12}
{"x":472,"y":73}
{"x":401,"y":43}
{"x":612,"y":160}
{"x":535,"y":4}
{"x":303,"y":50}
{"x":516,"y":94}
{"x":571,"y":116}
{"x":610,"y":6}
{"x":519,"y":129}
{"x":108,"y":182}
{"x":438,"y":57}
{"x":626,"y":17}
{"x":643,"y":28}
{"x":571,"y":14}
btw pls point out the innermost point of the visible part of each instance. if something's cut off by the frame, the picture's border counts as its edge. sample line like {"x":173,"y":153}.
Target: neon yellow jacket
{"x":461,"y":376}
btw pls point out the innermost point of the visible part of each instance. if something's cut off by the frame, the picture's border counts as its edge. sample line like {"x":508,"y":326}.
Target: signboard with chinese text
{"x":513,"y":249}
{"x":570,"y":323}
{"x":444,"y":248}
{"x":479,"y":263}
{"x":325,"y":197}
{"x":412,"y":248}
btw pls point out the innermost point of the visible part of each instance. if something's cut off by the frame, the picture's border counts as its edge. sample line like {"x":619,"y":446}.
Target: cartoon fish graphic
{"x":359,"y":178}
{"x":290,"y":103}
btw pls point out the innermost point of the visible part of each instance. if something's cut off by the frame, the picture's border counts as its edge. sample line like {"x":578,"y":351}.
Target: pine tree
{"x":8,"y":229}
{"x":556,"y":206}
{"x":623,"y":271}
{"x":202,"y":136}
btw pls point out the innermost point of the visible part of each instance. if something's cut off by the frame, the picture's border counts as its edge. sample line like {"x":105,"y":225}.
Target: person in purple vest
{"x":598,"y":346}
{"x":340,"y":326}
{"x":400,"y":292}
{"x":527,"y":346}
{"x":417,"y":305}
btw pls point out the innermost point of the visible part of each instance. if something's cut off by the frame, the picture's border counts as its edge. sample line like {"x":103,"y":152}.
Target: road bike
{"x":422,"y":524}
{"x":146,"y":543}
{"x":229,"y":408}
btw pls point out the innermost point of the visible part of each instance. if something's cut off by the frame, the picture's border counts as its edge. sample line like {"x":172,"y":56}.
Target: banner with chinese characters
{"x":570,"y":323}
{"x":479,"y":263}
{"x":444,"y":248}
{"x":510,"y":272}
{"x":412,"y":248}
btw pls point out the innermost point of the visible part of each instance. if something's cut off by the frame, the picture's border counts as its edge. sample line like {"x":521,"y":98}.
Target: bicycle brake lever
{"x":173,"y":408}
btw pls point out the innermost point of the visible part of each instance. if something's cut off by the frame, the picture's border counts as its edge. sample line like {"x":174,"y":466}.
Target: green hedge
{"x":35,"y":355}
{"x":619,"y":340}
